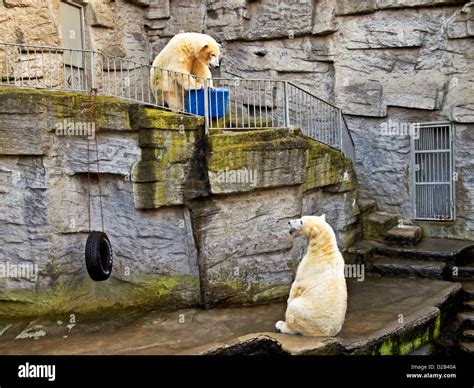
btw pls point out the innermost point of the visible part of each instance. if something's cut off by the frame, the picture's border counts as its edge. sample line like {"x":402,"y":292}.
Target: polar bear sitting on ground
{"x":318,"y":296}
{"x":185,"y":61}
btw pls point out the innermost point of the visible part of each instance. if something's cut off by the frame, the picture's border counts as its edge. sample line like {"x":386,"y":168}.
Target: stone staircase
{"x":386,"y":227}
{"x":466,"y":319}
{"x":391,"y":248}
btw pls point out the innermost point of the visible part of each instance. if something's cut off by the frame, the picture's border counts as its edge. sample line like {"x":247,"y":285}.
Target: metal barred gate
{"x":432,"y":172}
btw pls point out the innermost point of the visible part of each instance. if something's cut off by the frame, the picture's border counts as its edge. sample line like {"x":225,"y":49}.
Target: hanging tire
{"x":99,"y":257}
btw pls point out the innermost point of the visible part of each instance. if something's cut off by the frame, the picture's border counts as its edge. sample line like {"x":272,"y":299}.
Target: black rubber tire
{"x":99,"y":256}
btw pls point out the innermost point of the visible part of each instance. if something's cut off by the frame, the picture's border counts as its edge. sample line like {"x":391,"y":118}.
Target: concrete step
{"x":407,"y":235}
{"x":466,"y":271}
{"x":467,"y":347}
{"x":367,"y":205}
{"x":429,"y":249}
{"x":466,"y":318}
{"x":468,"y":289}
{"x":468,"y":334}
{"x":360,"y":252}
{"x":395,"y":267}
{"x":376,"y":225}
{"x":469,"y":305}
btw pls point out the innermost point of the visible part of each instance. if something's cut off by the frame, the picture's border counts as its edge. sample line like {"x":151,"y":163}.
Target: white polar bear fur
{"x":318,"y":297}
{"x":183,"y":64}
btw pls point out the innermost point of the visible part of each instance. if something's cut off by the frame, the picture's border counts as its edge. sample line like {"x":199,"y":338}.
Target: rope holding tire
{"x":98,"y":252}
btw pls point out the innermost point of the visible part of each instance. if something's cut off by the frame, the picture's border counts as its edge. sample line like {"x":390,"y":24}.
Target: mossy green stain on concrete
{"x":325,"y":166}
{"x":90,"y":297}
{"x":233,"y":150}
{"x":106,"y":112}
{"x":154,"y":289}
{"x":162,"y":119}
{"x":405,"y":343}
{"x":157,"y":138}
{"x":160,"y":178}
{"x":168,"y":142}
{"x":386,"y":348}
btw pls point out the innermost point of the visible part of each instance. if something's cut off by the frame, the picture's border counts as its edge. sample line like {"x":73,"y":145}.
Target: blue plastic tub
{"x":218,"y":102}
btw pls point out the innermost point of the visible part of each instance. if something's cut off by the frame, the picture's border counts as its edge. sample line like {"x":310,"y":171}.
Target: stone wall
{"x":113,"y":27}
{"x":384,"y":62}
{"x":183,"y":230}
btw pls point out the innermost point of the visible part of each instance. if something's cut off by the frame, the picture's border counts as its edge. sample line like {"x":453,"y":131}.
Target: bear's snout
{"x":295,"y":225}
{"x":214,"y":61}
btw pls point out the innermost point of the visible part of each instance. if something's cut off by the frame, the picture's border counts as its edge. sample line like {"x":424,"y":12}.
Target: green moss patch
{"x":168,"y":292}
{"x":410,"y":339}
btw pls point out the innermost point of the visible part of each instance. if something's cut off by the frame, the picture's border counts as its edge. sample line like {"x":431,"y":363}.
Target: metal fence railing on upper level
{"x":226,"y":103}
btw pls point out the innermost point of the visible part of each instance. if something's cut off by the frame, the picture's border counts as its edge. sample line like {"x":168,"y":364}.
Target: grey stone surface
{"x":141,"y":3}
{"x":245,"y":245}
{"x":348,"y":7}
{"x":21,"y":125}
{"x":461,"y":24}
{"x":310,"y":65}
{"x":19,"y":22}
{"x":198,"y":236}
{"x":324,"y":21}
{"x":404,"y":235}
{"x":387,"y":4}
{"x":117,"y":154}
{"x":159,"y":9}
{"x":269,"y":19}
{"x":246,"y":162}
{"x":404,"y":61}
{"x":24,"y":226}
{"x":102,"y":15}
{"x":44,"y":213}
{"x":157,"y":242}
{"x":398,"y":60}
{"x":180,"y":16}
{"x":389,"y":182}
{"x":390,"y":266}
{"x":341,"y":211}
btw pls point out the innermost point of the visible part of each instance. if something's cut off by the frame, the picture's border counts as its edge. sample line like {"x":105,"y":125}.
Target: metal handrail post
{"x":287,"y":107}
{"x":341,"y":139}
{"x":206,"y":106}
{"x":92,"y":70}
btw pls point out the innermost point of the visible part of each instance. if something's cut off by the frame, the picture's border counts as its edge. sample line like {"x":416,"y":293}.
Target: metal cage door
{"x":432,"y":172}
{"x":72,"y":31}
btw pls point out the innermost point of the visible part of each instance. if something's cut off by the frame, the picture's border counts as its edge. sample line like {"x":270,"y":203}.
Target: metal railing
{"x":226,"y":103}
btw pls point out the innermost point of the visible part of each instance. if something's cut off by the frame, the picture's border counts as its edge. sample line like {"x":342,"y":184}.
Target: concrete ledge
{"x":385,"y":316}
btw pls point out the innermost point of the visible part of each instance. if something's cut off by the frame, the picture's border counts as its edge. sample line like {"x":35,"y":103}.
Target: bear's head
{"x":311,"y":226}
{"x":210,"y":52}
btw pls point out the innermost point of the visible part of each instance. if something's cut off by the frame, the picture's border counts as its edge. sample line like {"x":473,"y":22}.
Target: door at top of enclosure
{"x":74,"y":57}
{"x":432,"y":169}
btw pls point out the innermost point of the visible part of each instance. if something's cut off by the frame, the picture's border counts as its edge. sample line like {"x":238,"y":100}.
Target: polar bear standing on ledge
{"x":185,"y":61}
{"x":318,"y":296}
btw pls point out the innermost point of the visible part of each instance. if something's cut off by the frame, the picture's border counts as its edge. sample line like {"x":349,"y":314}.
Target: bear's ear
{"x":323,"y":216}
{"x":204,"y":46}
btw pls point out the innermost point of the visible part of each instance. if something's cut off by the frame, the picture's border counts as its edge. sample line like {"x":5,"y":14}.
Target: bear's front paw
{"x":279,"y":326}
